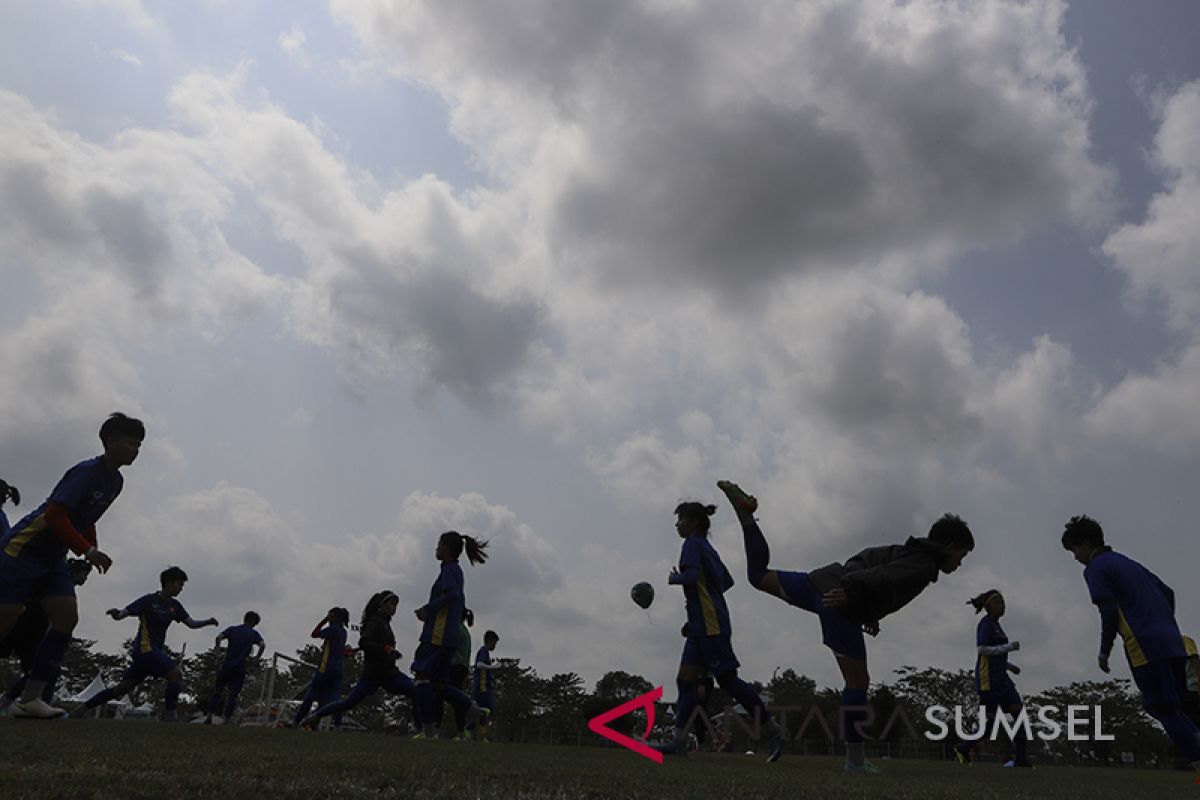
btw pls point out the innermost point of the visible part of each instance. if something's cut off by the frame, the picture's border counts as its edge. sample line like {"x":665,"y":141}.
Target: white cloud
{"x":292,"y":42}
{"x":127,"y":57}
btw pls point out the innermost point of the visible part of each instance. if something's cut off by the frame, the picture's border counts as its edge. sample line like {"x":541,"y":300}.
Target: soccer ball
{"x":642,"y":594}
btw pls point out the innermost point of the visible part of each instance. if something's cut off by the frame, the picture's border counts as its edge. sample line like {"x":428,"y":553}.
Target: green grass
{"x":112,"y":760}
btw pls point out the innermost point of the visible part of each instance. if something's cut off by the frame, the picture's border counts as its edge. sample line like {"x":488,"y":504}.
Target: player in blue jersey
{"x":431,"y":663}
{"x":380,"y":655}
{"x":704,"y":580}
{"x":155,"y":612}
{"x":1141,"y":608}
{"x":851,"y":598}
{"x":997,"y":693}
{"x":326,"y":686}
{"x":23,"y":640}
{"x":33,"y":564}
{"x":484,"y":689}
{"x":241,"y":640}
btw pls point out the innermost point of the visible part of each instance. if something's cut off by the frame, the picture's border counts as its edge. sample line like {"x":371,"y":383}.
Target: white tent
{"x":94,"y":688}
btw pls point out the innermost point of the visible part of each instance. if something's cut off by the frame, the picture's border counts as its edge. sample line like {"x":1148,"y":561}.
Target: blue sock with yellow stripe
{"x":689,"y":698}
{"x":854,"y":713}
{"x":49,"y":656}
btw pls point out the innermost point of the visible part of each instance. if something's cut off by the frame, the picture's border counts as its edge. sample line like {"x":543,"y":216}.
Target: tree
{"x":613,"y":689}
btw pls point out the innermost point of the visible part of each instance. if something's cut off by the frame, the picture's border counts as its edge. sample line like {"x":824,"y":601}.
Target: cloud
{"x":293,"y":41}
{"x":1158,"y":255}
{"x":128,"y":58}
{"x":700,"y":145}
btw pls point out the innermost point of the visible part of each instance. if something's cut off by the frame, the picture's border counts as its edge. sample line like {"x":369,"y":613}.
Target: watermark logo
{"x":599,"y":724}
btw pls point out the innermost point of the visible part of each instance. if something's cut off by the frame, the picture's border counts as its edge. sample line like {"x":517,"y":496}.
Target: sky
{"x":536,"y":271}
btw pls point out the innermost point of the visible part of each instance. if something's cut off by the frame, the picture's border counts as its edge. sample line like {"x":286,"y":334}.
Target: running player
{"x":232,"y":675}
{"x":155,"y":612}
{"x":431,"y":664}
{"x":485,"y":685}
{"x":326,"y":686}
{"x":709,"y":646}
{"x":33,"y":565}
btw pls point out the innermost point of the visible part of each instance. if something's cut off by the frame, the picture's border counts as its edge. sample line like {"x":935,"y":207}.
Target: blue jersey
{"x":1136,"y":604}
{"x":86,"y":491}
{"x":443,"y":612}
{"x":483,"y":677}
{"x":333,"y":651}
{"x":241,"y":638}
{"x":4,"y":526}
{"x":155,"y":614}
{"x":706,"y":610}
{"x":991,"y":672}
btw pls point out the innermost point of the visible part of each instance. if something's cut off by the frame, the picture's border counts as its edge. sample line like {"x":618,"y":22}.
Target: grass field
{"x":112,"y":760}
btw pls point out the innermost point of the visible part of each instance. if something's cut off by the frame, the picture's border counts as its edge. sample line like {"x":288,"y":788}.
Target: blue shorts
{"x":714,"y":653}
{"x":841,"y":635}
{"x":26,"y":577}
{"x":152,"y":664}
{"x":433,"y":661}
{"x":485,"y":700}
{"x":1000,"y":698}
{"x":1162,"y":682}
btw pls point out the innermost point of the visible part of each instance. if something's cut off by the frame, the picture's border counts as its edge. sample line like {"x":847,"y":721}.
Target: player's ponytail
{"x":980,"y":601}
{"x":455,"y":542}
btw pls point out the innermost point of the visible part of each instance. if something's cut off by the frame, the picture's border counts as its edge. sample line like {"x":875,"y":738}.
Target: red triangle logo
{"x":599,"y":724}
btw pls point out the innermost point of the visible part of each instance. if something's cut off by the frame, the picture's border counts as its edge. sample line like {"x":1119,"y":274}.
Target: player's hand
{"x":387,"y":648}
{"x":420,"y":612}
{"x":212,"y":621}
{"x":1103,"y":662}
{"x":348,"y":651}
{"x":1014,"y":646}
{"x":115,"y":613}
{"x":98,"y":560}
{"x":871,"y":628}
{"x":7,"y":492}
{"x":835,"y":598}
{"x":683,"y":631}
{"x":1014,"y":669}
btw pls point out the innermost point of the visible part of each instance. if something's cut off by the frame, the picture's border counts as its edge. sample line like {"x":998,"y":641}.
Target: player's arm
{"x":200,"y":623}
{"x":688,"y":571}
{"x":260,"y":647}
{"x":1109,"y":617}
{"x":998,"y":649}
{"x":372,"y":641}
{"x":58,"y":520}
{"x":130,"y":610}
{"x":320,"y":628}
{"x":450,"y":591}
{"x":220,"y":636}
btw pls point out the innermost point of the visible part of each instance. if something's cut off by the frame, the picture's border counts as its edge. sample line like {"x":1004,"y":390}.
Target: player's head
{"x":172,"y":580}
{"x":1083,"y":536}
{"x":991,"y":601}
{"x":952,"y":533}
{"x":251,"y":618}
{"x":452,"y":543}
{"x":384,"y":603}
{"x":80,"y":569}
{"x":339,"y":615}
{"x":692,"y":518}
{"x":122,"y":438}
{"x":491,"y":639}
